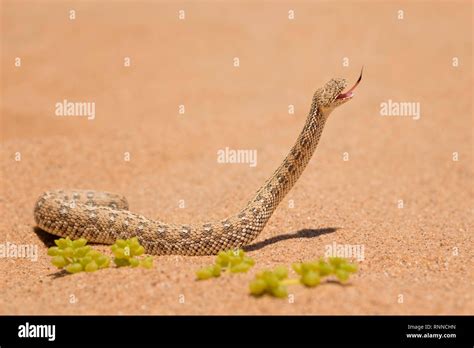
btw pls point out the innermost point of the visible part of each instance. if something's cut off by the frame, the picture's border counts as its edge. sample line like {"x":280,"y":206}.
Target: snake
{"x":103,"y":217}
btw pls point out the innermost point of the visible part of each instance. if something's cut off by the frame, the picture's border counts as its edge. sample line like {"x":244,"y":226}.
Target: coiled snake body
{"x":103,"y":217}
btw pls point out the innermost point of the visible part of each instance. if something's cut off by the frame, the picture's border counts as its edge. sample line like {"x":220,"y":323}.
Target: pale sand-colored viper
{"x":103,"y":217}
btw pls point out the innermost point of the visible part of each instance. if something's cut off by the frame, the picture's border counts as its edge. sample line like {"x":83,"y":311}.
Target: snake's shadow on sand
{"x":45,"y":237}
{"x":304,"y":233}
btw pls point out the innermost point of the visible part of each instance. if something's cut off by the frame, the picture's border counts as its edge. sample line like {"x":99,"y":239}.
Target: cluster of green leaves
{"x":271,"y":282}
{"x":75,"y":256}
{"x":310,"y":274}
{"x":234,"y":261}
{"x":126,"y":252}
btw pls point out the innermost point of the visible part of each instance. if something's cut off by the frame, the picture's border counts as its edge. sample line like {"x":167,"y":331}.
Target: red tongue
{"x":349,"y":92}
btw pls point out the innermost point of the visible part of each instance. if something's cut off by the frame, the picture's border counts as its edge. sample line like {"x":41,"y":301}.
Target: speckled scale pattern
{"x":103,"y":217}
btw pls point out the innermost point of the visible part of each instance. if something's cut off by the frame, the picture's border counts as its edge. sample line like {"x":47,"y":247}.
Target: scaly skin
{"x":104,"y":217}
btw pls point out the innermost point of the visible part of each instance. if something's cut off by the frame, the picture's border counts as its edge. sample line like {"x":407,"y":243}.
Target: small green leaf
{"x":79,"y":243}
{"x":349,"y":267}
{"x":121,"y":243}
{"x":310,"y":279}
{"x":204,"y":273}
{"x":134,"y":262}
{"x":271,"y":280}
{"x":325,"y":269}
{"x":240,"y":268}
{"x":53,"y":251}
{"x":140,"y":250}
{"x":147,"y":262}
{"x":216,"y":270}
{"x":61,"y":243}
{"x":297,"y":267}
{"x":74,"y":268}
{"x":257,"y":287}
{"x":120,"y":253}
{"x":281,"y":272}
{"x":91,"y":267}
{"x":59,"y":261}
{"x":279,"y":291}
{"x":121,"y":262}
{"x":342,"y":275}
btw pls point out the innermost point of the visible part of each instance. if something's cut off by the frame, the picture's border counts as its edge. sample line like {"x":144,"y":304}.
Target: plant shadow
{"x":304,"y":233}
{"x":59,"y":274}
{"x":338,"y":283}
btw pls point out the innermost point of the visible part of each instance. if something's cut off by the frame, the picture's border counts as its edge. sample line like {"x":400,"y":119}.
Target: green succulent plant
{"x":233,"y":261}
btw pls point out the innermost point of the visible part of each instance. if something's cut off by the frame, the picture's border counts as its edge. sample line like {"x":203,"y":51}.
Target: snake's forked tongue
{"x":350,"y":93}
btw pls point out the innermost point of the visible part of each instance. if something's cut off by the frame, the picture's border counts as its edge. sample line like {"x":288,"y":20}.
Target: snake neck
{"x":285,"y":176}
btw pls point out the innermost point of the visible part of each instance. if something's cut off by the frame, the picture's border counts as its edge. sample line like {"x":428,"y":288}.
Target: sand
{"x":399,"y":195}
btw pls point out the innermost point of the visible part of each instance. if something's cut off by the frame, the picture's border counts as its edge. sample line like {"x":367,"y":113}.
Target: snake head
{"x":332,"y":94}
